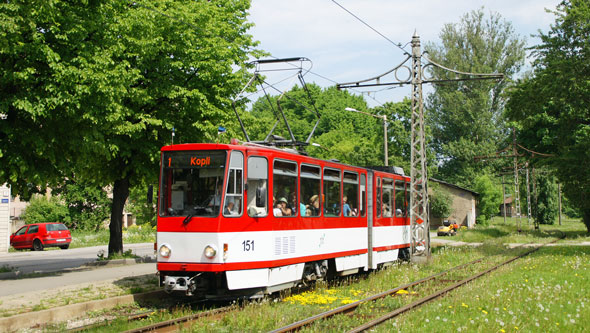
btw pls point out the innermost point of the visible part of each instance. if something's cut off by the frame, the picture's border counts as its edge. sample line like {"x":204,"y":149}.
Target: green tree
{"x":95,"y":88}
{"x":349,"y":137}
{"x":138,"y":205}
{"x":466,"y":116}
{"x":440,"y":202}
{"x":551,"y":106}
{"x":544,"y":208}
{"x":490,"y":198}
{"x":88,"y":205}
{"x":44,"y":209}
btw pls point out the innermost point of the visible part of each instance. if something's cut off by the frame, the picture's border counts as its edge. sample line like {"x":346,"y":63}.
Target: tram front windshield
{"x":192,"y":183}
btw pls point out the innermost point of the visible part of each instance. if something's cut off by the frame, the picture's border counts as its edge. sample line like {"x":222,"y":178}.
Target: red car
{"x":37,"y":236}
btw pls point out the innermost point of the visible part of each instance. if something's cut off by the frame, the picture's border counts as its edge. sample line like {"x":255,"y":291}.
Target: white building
{"x":5,"y":227}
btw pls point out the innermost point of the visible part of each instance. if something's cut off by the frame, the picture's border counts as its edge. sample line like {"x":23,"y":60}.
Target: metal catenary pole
{"x":420,"y":224}
{"x":419,"y":221}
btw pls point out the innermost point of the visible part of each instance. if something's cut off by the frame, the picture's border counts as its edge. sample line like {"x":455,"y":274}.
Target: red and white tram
{"x":246,"y":220}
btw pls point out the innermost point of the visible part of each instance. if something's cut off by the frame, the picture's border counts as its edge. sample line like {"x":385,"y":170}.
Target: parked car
{"x":38,"y":236}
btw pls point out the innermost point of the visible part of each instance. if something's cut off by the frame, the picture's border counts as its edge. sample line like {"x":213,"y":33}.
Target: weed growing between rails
{"x":272,"y":313}
{"x":547,"y":291}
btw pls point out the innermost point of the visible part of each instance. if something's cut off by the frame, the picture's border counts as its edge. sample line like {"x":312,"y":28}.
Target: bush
{"x":43,"y":209}
{"x":440,"y":202}
{"x":490,"y":198}
{"x":144,"y":212}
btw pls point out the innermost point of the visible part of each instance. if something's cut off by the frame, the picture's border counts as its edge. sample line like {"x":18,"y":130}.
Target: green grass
{"x":6,"y":269}
{"x":134,"y":234}
{"x":498,"y":231}
{"x":546,"y":291}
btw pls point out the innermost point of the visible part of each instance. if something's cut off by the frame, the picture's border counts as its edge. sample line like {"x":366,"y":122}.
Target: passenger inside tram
{"x":314,"y":205}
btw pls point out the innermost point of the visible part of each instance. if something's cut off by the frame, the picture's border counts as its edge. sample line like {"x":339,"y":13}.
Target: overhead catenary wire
{"x":398,"y":45}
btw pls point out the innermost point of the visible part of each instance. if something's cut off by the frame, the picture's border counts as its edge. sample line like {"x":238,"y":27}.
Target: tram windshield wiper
{"x":187,"y":219}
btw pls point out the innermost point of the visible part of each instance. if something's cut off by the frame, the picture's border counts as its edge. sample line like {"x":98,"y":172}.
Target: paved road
{"x":57,"y":260}
{"x":73,"y":279}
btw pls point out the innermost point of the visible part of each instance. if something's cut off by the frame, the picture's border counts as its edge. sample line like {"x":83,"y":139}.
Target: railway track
{"x":172,"y":325}
{"x":451,"y":278}
{"x":161,"y":326}
{"x":350,"y":308}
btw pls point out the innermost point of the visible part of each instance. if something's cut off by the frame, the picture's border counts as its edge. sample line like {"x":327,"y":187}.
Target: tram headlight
{"x":165,"y":251}
{"x":210,"y":251}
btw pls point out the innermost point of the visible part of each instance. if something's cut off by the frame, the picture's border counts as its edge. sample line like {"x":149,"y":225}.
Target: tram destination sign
{"x":198,"y":159}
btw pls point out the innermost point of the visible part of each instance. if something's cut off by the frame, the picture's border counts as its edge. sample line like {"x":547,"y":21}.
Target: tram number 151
{"x":248,"y":245}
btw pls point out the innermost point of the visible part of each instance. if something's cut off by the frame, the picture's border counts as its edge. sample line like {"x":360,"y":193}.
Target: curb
{"x":120,"y":262}
{"x":31,"y":319}
{"x":9,"y":275}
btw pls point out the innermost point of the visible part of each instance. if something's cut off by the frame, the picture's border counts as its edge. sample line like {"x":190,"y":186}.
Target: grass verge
{"x":133,"y":234}
{"x":507,"y":232}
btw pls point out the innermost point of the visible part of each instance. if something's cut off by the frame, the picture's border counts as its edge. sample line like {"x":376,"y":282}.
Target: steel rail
{"x":352,"y":306}
{"x":172,"y":322}
{"x":442,"y":292}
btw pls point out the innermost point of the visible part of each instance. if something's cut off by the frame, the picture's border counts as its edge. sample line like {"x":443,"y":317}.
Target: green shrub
{"x":440,"y":202}
{"x":43,"y":209}
{"x":490,"y":198}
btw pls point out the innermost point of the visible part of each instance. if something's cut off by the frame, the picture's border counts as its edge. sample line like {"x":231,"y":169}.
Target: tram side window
{"x":408,"y":194}
{"x":234,"y":191}
{"x":400,"y":196}
{"x":363,"y":203}
{"x":284,"y":188}
{"x":257,"y":186}
{"x":350,"y":194}
{"x":310,"y":190}
{"x":378,"y":198}
{"x":387,"y":197}
{"x":332,"y":205}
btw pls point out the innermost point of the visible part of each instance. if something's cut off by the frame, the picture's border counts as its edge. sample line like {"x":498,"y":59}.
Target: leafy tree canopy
{"x":551,"y":106}
{"x":95,"y":87}
{"x":466,"y":116}
{"x":490,"y":198}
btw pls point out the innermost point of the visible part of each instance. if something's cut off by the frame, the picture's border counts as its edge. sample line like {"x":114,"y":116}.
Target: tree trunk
{"x":586,"y":219}
{"x":120,"y":194}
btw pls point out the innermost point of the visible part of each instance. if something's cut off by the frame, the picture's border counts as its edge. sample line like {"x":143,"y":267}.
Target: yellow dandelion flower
{"x":450,"y":306}
{"x":464,"y":305}
{"x":484,"y":311}
{"x":516,"y":328}
{"x":402,"y":292}
{"x":502,"y":330}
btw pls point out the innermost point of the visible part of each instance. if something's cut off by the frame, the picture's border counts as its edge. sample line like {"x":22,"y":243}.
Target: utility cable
{"x":398,"y":45}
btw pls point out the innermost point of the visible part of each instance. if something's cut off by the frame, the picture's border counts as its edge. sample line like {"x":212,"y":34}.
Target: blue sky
{"x":342,"y":49}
